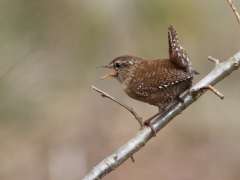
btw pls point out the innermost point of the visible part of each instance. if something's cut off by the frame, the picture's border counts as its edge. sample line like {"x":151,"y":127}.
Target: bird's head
{"x":123,"y":67}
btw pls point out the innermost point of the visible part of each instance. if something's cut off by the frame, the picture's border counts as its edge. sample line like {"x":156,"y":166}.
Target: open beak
{"x":108,"y":75}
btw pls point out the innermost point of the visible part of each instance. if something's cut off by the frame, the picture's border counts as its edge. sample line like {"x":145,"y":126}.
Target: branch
{"x":103,"y":94}
{"x":230,"y":2}
{"x":110,"y":163}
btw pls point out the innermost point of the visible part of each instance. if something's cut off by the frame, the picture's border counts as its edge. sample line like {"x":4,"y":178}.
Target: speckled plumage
{"x":157,"y":82}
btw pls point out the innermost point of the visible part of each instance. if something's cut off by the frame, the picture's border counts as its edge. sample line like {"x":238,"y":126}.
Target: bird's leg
{"x":148,"y":121}
{"x":180,"y":99}
{"x":151,"y":118}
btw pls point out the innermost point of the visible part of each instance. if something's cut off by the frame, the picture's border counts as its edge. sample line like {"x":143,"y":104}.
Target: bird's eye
{"x":117,"y":65}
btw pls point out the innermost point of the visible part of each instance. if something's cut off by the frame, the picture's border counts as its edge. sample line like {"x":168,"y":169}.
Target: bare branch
{"x":110,"y":163}
{"x":230,"y":2}
{"x":132,"y":159}
{"x":216,"y":61}
{"x":194,"y":92}
{"x":103,"y":94}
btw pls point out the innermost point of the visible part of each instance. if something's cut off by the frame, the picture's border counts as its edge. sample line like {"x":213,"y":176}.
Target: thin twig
{"x":230,"y":2}
{"x":215,"y":91}
{"x":103,"y":94}
{"x":132,"y":159}
{"x":194,"y":92}
{"x":216,"y":61}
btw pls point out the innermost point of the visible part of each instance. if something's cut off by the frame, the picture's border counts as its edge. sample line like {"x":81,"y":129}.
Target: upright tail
{"x":178,"y":55}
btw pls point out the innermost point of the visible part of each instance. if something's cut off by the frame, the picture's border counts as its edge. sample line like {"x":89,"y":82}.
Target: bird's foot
{"x":181,"y":100}
{"x":148,"y":123}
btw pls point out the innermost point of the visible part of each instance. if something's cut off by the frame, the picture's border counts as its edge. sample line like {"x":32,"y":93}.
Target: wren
{"x":157,"y":82}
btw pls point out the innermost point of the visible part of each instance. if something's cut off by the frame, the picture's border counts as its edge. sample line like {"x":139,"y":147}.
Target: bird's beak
{"x":108,"y":75}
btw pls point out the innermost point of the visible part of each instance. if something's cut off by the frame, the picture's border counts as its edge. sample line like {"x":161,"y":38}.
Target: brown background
{"x":54,"y":126}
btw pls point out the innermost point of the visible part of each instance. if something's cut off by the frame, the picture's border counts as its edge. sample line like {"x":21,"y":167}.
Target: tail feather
{"x":178,"y":55}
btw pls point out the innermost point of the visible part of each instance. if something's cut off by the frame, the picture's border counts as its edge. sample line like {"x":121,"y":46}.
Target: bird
{"x":157,"y":82}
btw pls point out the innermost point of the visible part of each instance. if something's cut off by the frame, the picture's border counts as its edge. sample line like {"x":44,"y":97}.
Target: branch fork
{"x":137,"y":117}
{"x":195,"y":92}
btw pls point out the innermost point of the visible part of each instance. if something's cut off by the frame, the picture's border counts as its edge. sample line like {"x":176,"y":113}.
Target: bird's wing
{"x":152,"y":82}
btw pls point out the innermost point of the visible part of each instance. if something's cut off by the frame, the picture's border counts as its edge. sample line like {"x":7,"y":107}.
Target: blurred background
{"x":54,"y":126}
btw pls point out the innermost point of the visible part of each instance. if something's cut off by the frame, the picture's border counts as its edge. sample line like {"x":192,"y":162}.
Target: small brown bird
{"x":157,"y":82}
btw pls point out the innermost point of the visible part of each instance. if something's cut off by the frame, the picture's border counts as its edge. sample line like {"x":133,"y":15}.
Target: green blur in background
{"x":54,"y":126}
